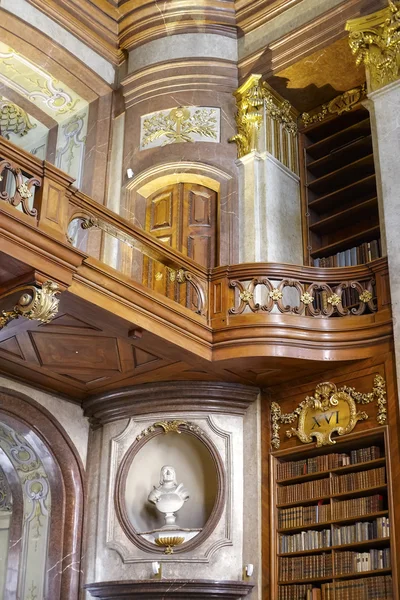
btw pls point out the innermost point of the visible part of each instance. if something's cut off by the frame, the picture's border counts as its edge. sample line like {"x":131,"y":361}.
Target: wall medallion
{"x":329,"y":411}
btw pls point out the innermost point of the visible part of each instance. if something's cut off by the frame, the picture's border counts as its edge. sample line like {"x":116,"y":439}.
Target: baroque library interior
{"x":199,"y":299}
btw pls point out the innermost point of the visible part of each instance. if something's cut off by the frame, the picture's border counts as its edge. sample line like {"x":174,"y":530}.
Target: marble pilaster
{"x":269,"y":208}
{"x":385,"y":124}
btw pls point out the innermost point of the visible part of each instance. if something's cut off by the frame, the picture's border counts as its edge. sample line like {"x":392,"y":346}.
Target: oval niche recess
{"x":198,"y":465}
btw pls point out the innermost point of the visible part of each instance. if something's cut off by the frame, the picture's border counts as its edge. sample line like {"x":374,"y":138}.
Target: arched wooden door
{"x":183,"y":216}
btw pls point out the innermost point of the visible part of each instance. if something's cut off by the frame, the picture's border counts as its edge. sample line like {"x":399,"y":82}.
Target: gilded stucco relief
{"x":180,"y":124}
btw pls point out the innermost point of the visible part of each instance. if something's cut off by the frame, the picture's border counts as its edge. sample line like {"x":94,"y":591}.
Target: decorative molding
{"x":306,"y":39}
{"x":38,"y":304}
{"x":174,"y":588}
{"x":251,"y":97}
{"x":375,"y":41}
{"x":340,"y":104}
{"x":36,"y":504}
{"x":324,"y":410}
{"x":5,"y":493}
{"x":181,"y":124}
{"x":52,"y":96}
{"x":72,"y":138}
{"x":224,"y":398}
{"x":201,"y":75}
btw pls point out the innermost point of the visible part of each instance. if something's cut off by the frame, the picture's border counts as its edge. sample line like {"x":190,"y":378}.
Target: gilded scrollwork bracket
{"x":329,"y":411}
{"x":35,"y":303}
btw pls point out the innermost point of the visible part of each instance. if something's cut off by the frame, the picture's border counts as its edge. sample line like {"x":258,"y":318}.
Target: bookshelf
{"x":331,"y":514}
{"x":339,"y":191}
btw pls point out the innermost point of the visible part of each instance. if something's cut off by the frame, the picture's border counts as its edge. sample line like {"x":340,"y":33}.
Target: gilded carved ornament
{"x":331,"y":297}
{"x":329,"y":411}
{"x":340,"y":104}
{"x":375,"y":41}
{"x":35,"y":304}
{"x":181,"y":124}
{"x":169,"y":427}
{"x":251,"y":98}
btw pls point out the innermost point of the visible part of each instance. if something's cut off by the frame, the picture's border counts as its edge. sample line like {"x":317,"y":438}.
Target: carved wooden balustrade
{"x":85,"y":245}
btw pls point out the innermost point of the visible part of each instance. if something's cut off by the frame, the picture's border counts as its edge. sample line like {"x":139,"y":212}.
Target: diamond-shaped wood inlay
{"x":85,"y":352}
{"x":69,"y":321}
{"x":11,"y":346}
{"x":141,"y":357}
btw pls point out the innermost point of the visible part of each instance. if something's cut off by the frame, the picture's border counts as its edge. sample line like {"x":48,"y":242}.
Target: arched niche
{"x":48,"y":467}
{"x":198,"y":465}
{"x":147,"y":183}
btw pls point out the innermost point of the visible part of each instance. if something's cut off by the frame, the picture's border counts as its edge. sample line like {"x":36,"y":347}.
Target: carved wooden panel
{"x":199,"y":230}
{"x":184,"y":216}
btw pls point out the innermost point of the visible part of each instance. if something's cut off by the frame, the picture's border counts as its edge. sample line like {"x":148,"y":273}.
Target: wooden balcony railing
{"x":220,"y":299}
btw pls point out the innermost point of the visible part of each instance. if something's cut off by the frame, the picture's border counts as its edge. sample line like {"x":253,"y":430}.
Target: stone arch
{"x":55,"y":469}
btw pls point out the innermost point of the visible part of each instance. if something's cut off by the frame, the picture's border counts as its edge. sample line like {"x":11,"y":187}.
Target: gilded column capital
{"x":251,"y":98}
{"x":249,"y":117}
{"x":375,"y":41}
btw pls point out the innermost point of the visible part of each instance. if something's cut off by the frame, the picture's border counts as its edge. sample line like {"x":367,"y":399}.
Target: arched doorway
{"x":43,"y":482}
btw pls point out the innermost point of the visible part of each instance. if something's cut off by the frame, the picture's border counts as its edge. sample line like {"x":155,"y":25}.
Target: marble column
{"x":385,"y":122}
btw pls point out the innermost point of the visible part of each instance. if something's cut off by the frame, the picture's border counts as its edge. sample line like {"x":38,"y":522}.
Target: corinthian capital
{"x":375,"y":41}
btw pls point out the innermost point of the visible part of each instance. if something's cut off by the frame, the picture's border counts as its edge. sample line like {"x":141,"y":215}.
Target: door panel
{"x":182,"y":216}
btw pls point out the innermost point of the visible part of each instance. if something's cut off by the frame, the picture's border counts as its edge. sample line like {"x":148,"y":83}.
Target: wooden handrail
{"x":58,"y":203}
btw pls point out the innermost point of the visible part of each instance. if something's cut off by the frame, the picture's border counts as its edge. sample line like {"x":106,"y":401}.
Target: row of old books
{"x":368,"y":588}
{"x":358,"y":255}
{"x":306,"y":592}
{"x":359,"y":562}
{"x":305,"y":540}
{"x":303,"y":491}
{"x":326,"y":462}
{"x":361,"y":531}
{"x":357,"y":507}
{"x":357,"y":481}
{"x":311,"y":566}
{"x":298,"y":516}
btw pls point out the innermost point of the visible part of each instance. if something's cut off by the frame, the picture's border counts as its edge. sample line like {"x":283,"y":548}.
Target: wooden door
{"x":184,"y":217}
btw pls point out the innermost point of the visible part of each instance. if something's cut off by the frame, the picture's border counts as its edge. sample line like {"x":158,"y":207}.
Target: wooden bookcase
{"x":341,"y":579}
{"x":339,"y":190}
